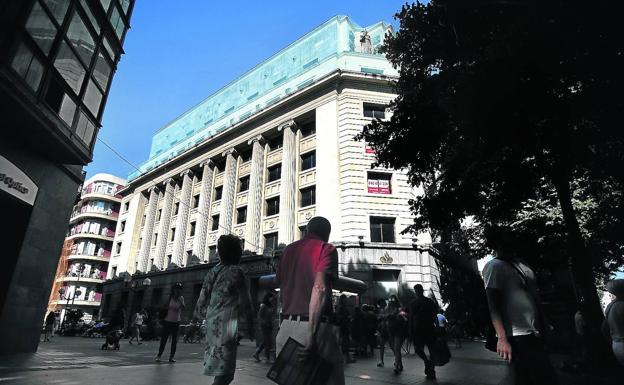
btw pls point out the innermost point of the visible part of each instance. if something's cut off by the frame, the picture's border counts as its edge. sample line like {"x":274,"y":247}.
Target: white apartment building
{"x":271,"y":150}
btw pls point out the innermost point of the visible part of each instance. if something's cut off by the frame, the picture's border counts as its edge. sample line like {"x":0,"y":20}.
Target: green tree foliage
{"x":509,"y":112}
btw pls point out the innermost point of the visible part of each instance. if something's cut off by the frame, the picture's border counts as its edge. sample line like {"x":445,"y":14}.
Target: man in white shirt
{"x":511,"y":290}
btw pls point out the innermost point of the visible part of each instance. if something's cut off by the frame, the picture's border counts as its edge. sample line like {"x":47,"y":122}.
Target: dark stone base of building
{"x":131,"y":293}
{"x":32,"y":238}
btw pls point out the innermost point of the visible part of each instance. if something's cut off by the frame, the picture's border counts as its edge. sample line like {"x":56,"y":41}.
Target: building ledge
{"x":101,"y":196}
{"x":91,"y":236}
{"x":88,"y":257}
{"x":109,"y":217}
{"x":81,"y":279}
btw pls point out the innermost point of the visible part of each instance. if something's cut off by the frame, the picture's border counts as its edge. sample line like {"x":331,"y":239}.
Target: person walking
{"x":343,"y":321}
{"x":613,"y":324}
{"x":422,"y":321}
{"x":511,"y":291}
{"x":305,"y":274}
{"x":382,"y":330}
{"x":49,"y":326}
{"x":266,"y":314}
{"x":223,"y":297}
{"x":171,"y":322}
{"x":139,"y":320}
{"x":396,"y":320}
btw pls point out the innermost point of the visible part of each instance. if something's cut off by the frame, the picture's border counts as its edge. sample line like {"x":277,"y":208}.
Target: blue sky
{"x":178,"y":53}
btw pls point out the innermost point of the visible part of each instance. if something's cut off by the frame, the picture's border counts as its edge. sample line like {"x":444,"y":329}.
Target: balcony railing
{"x":91,"y":189}
{"x":94,"y":210}
{"x":93,"y":275}
{"x":100,"y":253}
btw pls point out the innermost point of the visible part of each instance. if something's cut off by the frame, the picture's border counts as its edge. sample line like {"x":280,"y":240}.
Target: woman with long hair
{"x":171,"y":322}
{"x":223,"y":296}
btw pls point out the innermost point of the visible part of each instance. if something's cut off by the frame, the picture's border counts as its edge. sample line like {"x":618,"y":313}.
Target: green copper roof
{"x":333,"y":45}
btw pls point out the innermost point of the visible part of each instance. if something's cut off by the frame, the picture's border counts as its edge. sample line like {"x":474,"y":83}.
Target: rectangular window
{"x":196,"y":201}
{"x":270,"y":242}
{"x":143,"y":220}
{"x":85,"y":129}
{"x":41,"y":28}
{"x":114,"y":272}
{"x":155,"y":239}
{"x":379,"y":183}
{"x":159,"y":214}
{"x":382,"y":229}
{"x":92,"y":98}
{"x":308,"y":196}
{"x":81,"y":38}
{"x":241,"y":215}
{"x":374,"y":110}
{"x":275,"y":172}
{"x":118,"y":248}
{"x":172,"y":232}
{"x":212,"y":252}
{"x":126,"y":206}
{"x":272,"y":206}
{"x":215,"y":222}
{"x":243,"y":184}
{"x":220,"y":165}
{"x":69,"y":67}
{"x":308,"y":160}
{"x":276,"y":142}
{"x":308,"y":129}
{"x":246,"y":155}
{"x":192,"y":229}
{"x":122,"y":226}
{"x":218,"y":193}
{"x":176,"y":208}
{"x":168,"y":260}
{"x":27,"y":66}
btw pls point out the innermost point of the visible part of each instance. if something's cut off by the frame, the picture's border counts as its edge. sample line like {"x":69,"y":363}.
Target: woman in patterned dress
{"x":223,"y":294}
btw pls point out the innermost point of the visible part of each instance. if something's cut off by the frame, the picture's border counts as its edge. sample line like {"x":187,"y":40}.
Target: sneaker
{"x":380,"y":364}
{"x":130,"y":341}
{"x":139,"y":343}
{"x":256,"y":357}
{"x":172,"y":360}
{"x":157,"y":359}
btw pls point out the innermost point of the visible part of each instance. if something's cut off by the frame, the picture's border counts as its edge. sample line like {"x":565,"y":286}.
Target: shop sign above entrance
{"x":15,"y":182}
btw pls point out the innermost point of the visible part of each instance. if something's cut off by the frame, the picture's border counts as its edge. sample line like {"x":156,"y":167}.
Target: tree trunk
{"x":583,"y":275}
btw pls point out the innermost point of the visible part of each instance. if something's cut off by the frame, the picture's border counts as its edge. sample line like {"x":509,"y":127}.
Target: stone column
{"x":179,"y":241}
{"x":288,"y":184}
{"x":205,"y":195}
{"x":254,"y":197}
{"x":163,"y":229}
{"x":229,"y":187}
{"x":148,"y":228}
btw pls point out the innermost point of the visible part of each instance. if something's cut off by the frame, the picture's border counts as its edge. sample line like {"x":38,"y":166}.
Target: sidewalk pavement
{"x":75,"y":360}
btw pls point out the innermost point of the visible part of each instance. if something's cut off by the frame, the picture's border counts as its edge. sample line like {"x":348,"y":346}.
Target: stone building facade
{"x":263,"y":175}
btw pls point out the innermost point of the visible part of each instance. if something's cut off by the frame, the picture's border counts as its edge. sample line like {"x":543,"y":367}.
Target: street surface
{"x":78,"y":361}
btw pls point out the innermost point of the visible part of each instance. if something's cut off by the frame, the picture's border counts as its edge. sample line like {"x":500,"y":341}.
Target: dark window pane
{"x":215,"y":222}
{"x":218,"y":193}
{"x":27,"y":66}
{"x":58,"y":8}
{"x":102,"y":71}
{"x":272,"y":206}
{"x":69,"y":67}
{"x":117,"y":23}
{"x":241,"y":215}
{"x":176,"y":208}
{"x":92,"y":19}
{"x":81,"y":39}
{"x":68,"y":110}
{"x":196,"y":201}
{"x":308,"y":196}
{"x":93,"y":98}
{"x":212,"y":252}
{"x":382,"y":229}
{"x":172,"y":234}
{"x":41,"y":28}
{"x":275,"y":172}
{"x":243,"y":184}
{"x":85,"y":130}
{"x":276,"y":142}
{"x":270,"y":242}
{"x":374,"y":111}
{"x":246,"y":155}
{"x":105,"y":4}
{"x":111,"y":51}
{"x":125,"y":4}
{"x":192,"y":229}
{"x":308,"y":161}
{"x":308,"y":129}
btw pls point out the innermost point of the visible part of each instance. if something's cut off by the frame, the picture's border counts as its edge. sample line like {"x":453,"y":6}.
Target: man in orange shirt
{"x":305,"y":273}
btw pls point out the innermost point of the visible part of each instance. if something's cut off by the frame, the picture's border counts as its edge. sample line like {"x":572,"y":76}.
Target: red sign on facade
{"x":369,"y":150}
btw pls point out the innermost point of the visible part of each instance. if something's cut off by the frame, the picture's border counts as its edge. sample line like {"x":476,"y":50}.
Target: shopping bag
{"x":441,"y":354}
{"x":288,"y":370}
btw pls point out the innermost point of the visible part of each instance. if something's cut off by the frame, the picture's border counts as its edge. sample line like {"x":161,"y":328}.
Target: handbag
{"x":441,"y":354}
